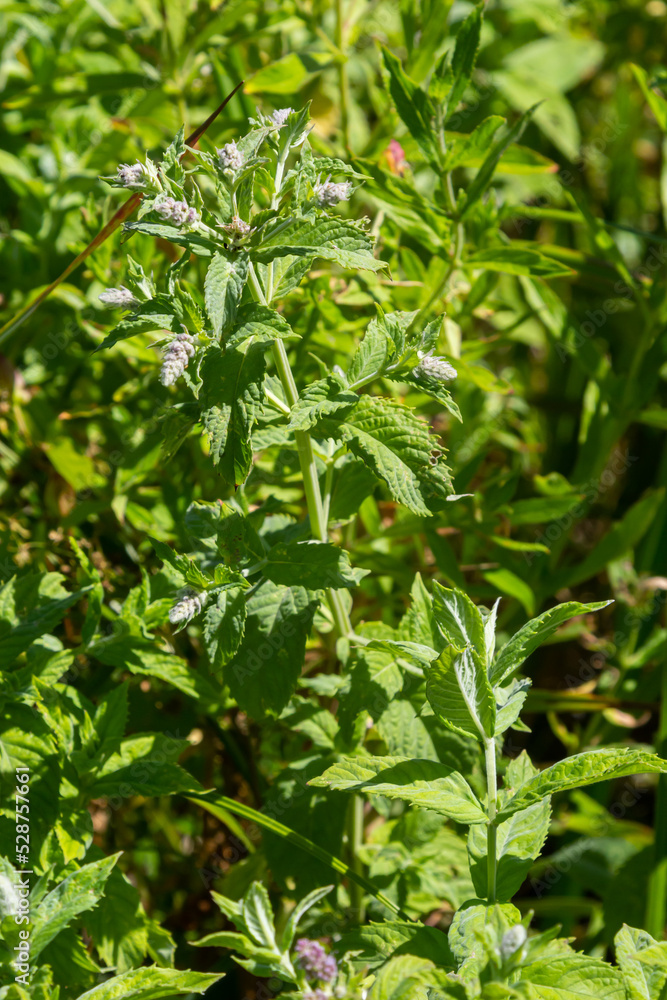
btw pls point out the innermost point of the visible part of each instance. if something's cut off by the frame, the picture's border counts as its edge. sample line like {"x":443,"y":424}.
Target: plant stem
{"x":656,"y":907}
{"x":492,"y":792}
{"x":342,"y":76}
{"x":355,"y":840}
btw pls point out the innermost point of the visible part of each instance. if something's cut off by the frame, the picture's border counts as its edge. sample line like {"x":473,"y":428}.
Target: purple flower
{"x":315,"y":961}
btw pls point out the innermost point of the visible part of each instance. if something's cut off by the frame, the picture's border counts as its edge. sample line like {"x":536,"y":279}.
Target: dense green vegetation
{"x":333,"y":537}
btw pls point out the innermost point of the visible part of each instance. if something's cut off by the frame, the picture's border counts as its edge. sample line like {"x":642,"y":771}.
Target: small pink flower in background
{"x":395,"y":155}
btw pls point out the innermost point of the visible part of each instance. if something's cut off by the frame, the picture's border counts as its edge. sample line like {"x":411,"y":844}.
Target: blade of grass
{"x":114,"y":222}
{"x":217,"y":804}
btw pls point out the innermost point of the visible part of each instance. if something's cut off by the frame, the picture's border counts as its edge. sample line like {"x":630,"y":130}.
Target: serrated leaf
{"x":485,"y":173}
{"x":224,"y":625}
{"x":231,"y":400}
{"x":643,"y":981}
{"x":150,"y":984}
{"x":582,"y":769}
{"x":324,"y":398}
{"x":312,"y":564}
{"x":573,"y":977}
{"x":460,"y":694}
{"x":31,"y":606}
{"x":263,"y":674}
{"x":423,"y":783}
{"x":398,"y":447}
{"x":458,"y":618}
{"x":321,"y":238}
{"x":533,"y":634}
{"x":78,"y":892}
{"x":197,"y":244}
{"x":261,"y":324}
{"x":184,"y":565}
{"x":223,"y":287}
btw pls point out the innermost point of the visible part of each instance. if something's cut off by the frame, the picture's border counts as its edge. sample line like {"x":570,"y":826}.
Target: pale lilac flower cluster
{"x":237,"y":228}
{"x":118,"y":297}
{"x":317,"y":994}
{"x":434,"y":367}
{"x":178,"y":212}
{"x":278,"y":118}
{"x":187,"y":607}
{"x":327,"y":193}
{"x":131,"y":175}
{"x":230,"y":157}
{"x":176,"y":358}
{"x":315,"y":961}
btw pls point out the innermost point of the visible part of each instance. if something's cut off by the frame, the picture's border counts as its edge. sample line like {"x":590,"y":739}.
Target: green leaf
{"x":465,"y":56}
{"x":571,"y":977}
{"x":643,"y":981}
{"x":144,"y":765}
{"x":320,"y":238}
{"x":516,"y":260}
{"x":223,"y":288}
{"x":459,"y":692}
{"x":585,"y":768}
{"x":258,"y":915}
{"x":119,"y":926}
{"x":185,"y":566}
{"x":324,"y":398}
{"x":301,"y":907}
{"x":413,"y":107}
{"x":231,"y":400}
{"x":656,"y":101}
{"x":197,"y":244}
{"x":224,"y":625}
{"x":260,"y":324}
{"x":424,"y":783}
{"x":397,"y":446}
{"x":289,"y":74}
{"x":459,"y":620}
{"x":264,"y":672}
{"x":31,"y":606}
{"x":150,"y":984}
{"x":519,"y":839}
{"x":533,"y":634}
{"x":80,"y":891}
{"x":311,"y":564}
{"x":485,"y":173}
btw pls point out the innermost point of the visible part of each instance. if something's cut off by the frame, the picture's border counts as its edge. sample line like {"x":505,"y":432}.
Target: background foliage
{"x":561,"y":390}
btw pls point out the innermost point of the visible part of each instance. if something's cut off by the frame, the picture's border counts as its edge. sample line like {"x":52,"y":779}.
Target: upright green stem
{"x":311,"y":483}
{"x":656,"y":908}
{"x":355,"y":838}
{"x":342,"y":76}
{"x":492,"y":792}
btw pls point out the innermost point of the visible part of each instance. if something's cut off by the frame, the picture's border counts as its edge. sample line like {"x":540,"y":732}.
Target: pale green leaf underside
{"x":583,"y":769}
{"x":423,"y":783}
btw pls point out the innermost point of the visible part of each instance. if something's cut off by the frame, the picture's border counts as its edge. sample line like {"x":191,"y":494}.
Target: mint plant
{"x":488,"y":952}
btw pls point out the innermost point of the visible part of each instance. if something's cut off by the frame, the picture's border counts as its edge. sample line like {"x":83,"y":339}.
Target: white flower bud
{"x":278,"y":118}
{"x":512,"y":940}
{"x":176,"y":357}
{"x":328,"y":193}
{"x":230,"y":157}
{"x":187,"y":607}
{"x":121,"y":296}
{"x":131,"y":175}
{"x":434,"y":367}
